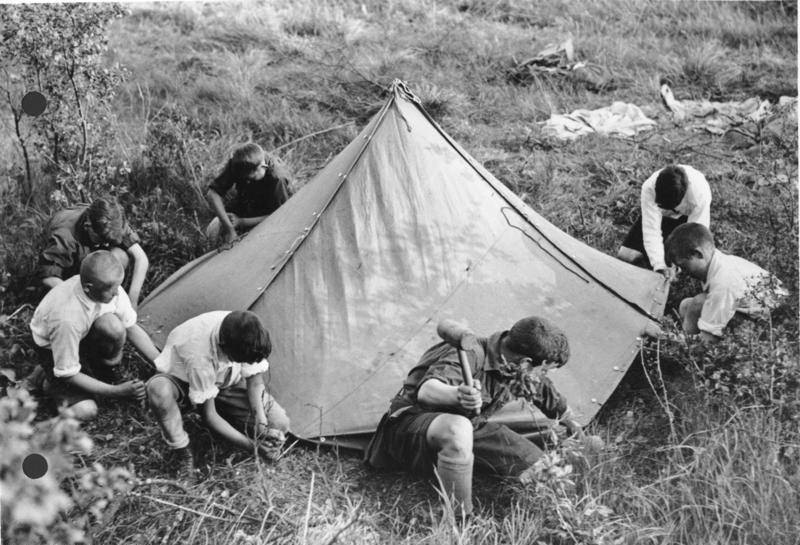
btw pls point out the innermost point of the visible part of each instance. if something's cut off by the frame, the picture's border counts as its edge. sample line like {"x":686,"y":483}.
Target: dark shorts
{"x":59,"y":391}
{"x":634,"y":239}
{"x":93,"y":349}
{"x":232,"y":404}
{"x":400,"y":443}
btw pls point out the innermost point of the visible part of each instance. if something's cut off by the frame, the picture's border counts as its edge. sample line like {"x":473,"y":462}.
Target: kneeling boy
{"x":672,"y":196}
{"x":216,"y":360}
{"x":81,"y":326}
{"x":731,"y":284}
{"x":432,"y":421}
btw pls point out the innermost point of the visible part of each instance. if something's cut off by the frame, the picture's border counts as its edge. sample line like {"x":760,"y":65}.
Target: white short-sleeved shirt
{"x":192,"y":354}
{"x":65,"y":316}
{"x":696,"y":205}
{"x":733,"y":285}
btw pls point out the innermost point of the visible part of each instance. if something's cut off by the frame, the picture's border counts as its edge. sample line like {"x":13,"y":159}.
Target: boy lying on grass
{"x":216,"y":361}
{"x":670,"y":197}
{"x":731,"y":285}
{"x":436,"y":422}
{"x":80,"y":327}
{"x":262,"y":186}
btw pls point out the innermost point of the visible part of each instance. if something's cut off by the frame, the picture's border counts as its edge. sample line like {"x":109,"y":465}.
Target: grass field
{"x":703,"y":445}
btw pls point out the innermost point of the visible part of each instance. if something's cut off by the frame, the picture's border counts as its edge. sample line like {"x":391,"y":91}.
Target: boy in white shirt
{"x":80,"y":327}
{"x":670,"y":197}
{"x":216,"y":361}
{"x":731,"y":284}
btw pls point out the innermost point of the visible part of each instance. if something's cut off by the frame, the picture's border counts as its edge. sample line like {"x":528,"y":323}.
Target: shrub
{"x":63,"y":504}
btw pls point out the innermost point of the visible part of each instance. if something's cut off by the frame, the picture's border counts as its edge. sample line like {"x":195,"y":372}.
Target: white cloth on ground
{"x":621,"y":119}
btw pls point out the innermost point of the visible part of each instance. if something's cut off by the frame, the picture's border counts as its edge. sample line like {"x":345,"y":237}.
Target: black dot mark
{"x":34,"y":103}
{"x":34,"y":466}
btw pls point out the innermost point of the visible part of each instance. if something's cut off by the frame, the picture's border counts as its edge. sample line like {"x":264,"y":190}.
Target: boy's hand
{"x":668,"y":273}
{"x":270,"y":442}
{"x":469,"y":341}
{"x":236,"y":222}
{"x":133,"y":389}
{"x":470,"y":398}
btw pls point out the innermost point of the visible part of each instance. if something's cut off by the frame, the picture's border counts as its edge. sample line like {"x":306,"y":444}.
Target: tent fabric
{"x":401,"y":229}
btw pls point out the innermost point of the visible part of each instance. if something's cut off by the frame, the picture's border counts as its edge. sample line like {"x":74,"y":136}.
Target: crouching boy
{"x":216,"y":361}
{"x":80,"y":328}
{"x":433,"y":422}
{"x":731,"y":285}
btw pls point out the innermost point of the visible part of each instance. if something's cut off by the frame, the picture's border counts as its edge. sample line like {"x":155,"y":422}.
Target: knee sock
{"x":456,"y":477}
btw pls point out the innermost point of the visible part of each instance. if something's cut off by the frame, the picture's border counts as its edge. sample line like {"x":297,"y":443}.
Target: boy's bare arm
{"x":131,"y":389}
{"x":457,"y":335}
{"x":218,"y":206}
{"x":255,"y":392}
{"x":222,"y":427}
{"x":435,"y":393}
{"x":51,"y":282}
{"x":139,"y":338}
{"x":253,"y":221}
{"x":140,"y":265}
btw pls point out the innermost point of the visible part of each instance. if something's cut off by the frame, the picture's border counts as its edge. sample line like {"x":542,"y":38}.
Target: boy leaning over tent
{"x":75,"y":232}
{"x":436,"y":422}
{"x":731,"y":285}
{"x":217,"y":361}
{"x":80,"y":327}
{"x":262,"y":186}
{"x":670,"y":197}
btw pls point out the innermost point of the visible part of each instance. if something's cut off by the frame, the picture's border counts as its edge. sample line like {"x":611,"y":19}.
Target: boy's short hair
{"x":107,"y":220}
{"x":98,"y":264}
{"x":671,"y":186}
{"x":246,"y":158}
{"x":540,"y":340}
{"x":685,"y":239}
{"x":244,"y":338}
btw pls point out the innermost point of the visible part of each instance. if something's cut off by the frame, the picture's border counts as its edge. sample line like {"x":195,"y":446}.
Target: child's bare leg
{"x":103,"y":346}
{"x":84,"y":410}
{"x":277,"y":419}
{"x":628,"y":254}
{"x":163,"y":396}
{"x":690,"y":310}
{"x":451,"y":436}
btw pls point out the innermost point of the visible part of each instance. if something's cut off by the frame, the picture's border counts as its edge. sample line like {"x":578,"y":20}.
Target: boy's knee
{"x":108,"y":326}
{"x":213,"y":228}
{"x":277,"y":418}
{"x":121,"y":255}
{"x":683,"y":308}
{"x":106,"y":339}
{"x":452,"y":435}
{"x":160,"y":393}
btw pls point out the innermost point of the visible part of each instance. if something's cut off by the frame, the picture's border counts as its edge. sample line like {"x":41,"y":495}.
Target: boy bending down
{"x":216,"y":360}
{"x":731,"y":284}
{"x":432,"y":421}
{"x":80,"y":328}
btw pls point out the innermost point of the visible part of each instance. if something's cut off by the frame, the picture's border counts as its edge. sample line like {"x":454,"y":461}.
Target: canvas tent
{"x":399,"y":230}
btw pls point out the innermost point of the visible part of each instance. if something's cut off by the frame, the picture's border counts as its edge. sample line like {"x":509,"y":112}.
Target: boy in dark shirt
{"x":262,"y":186}
{"x":74,"y":233}
{"x":432,"y":421}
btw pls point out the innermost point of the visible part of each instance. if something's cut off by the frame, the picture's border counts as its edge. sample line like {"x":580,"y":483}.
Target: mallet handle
{"x":466,"y":371}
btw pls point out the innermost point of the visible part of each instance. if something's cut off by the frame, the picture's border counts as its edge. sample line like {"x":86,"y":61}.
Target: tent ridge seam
{"x":317,"y":215}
